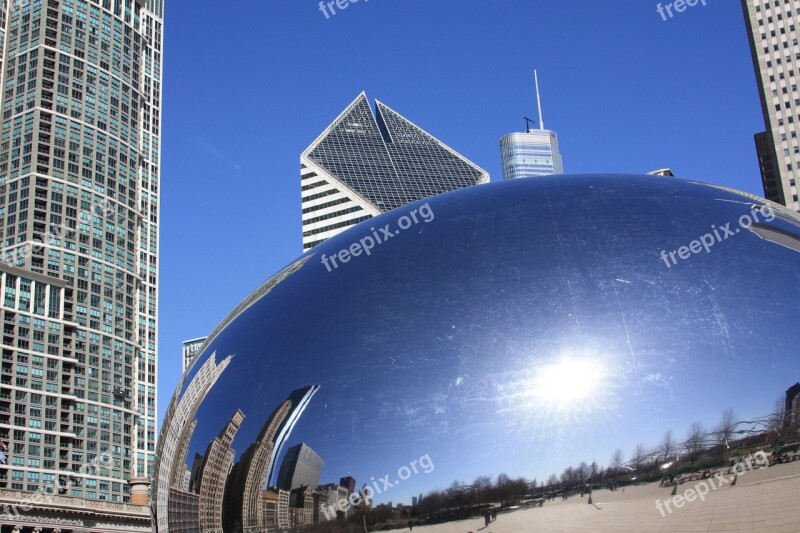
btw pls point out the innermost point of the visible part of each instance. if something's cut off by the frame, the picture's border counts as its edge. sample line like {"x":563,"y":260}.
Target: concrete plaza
{"x":766,"y":500}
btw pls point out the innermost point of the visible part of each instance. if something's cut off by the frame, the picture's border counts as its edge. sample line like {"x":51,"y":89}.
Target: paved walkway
{"x":766,"y":500}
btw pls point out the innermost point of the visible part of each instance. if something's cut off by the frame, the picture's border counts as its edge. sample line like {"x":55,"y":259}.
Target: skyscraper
{"x":190,"y":349}
{"x":792,"y":407}
{"x":298,"y":400}
{"x":363,"y":165}
{"x":776,"y":58}
{"x":81,"y":95}
{"x":301,"y":467}
{"x":533,"y":152}
{"x":349,"y":483}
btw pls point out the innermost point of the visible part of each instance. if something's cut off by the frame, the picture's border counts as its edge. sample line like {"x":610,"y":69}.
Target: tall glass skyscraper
{"x":364,"y":165}
{"x":533,"y":153}
{"x":79,"y":213}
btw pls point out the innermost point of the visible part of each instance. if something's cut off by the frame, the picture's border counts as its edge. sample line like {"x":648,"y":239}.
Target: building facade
{"x":792,"y":406}
{"x":301,"y":467}
{"x":79,"y":211}
{"x":773,"y":36}
{"x":214,"y":471}
{"x":349,"y":483}
{"x":528,"y":154}
{"x":363,"y":165}
{"x":276,"y":509}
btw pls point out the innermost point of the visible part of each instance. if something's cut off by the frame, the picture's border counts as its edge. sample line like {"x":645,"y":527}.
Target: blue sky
{"x":249,"y":84}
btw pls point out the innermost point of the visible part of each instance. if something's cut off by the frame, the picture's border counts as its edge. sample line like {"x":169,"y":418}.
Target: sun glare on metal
{"x":568,"y":381}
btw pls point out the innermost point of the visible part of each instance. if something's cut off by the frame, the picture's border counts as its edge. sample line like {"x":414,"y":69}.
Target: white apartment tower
{"x":79,"y":214}
{"x":772,"y":27}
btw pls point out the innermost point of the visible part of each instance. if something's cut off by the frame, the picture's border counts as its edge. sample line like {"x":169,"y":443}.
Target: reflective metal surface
{"x":517,"y":327}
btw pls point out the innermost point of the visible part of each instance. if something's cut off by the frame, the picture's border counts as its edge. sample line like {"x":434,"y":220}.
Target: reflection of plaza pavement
{"x":765,"y":500}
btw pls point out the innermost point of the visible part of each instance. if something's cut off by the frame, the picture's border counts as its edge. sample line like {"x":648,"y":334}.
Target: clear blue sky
{"x":249,"y":84}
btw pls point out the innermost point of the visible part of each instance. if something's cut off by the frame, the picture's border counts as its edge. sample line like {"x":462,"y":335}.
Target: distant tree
{"x":567,"y":477}
{"x":616,"y":460}
{"x":777,"y":420}
{"x":583,"y":473}
{"x":503,"y":488}
{"x":695,"y":441}
{"x":639,"y":456}
{"x":481,"y":489}
{"x":667,"y":446}
{"x":724,"y":431}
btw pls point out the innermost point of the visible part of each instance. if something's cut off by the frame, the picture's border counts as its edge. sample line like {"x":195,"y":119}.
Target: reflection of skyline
{"x":243,"y":510}
{"x":216,"y":495}
{"x":406,"y":374}
{"x":178,"y":432}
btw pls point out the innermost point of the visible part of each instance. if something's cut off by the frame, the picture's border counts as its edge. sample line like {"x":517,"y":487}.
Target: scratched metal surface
{"x":527,"y":326}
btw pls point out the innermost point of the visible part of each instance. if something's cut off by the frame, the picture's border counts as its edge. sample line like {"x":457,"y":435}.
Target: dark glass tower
{"x":301,"y":467}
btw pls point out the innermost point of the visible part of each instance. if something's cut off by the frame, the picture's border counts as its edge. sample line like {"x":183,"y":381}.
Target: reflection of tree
{"x":724,"y":432}
{"x":695,"y":441}
{"x":616,"y":460}
{"x":667,"y":445}
{"x":700,"y":448}
{"x":639,"y":456}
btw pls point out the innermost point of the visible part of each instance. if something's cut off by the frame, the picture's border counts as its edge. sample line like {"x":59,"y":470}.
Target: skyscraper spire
{"x":538,"y":99}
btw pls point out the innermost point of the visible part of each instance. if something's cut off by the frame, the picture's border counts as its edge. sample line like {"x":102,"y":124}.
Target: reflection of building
{"x":777,"y":147}
{"x":244,"y":510}
{"x":176,"y":431}
{"x":301,"y":507}
{"x":190,"y":349}
{"x":662,"y":172}
{"x":194,"y":471}
{"x":364,"y":165}
{"x":299,"y":399}
{"x":349,"y":483}
{"x":214,"y":472}
{"x":183,"y":511}
{"x":792,"y":407}
{"x":326,"y":501}
{"x":179,"y":476}
{"x":301,"y":467}
{"x":276,"y":509}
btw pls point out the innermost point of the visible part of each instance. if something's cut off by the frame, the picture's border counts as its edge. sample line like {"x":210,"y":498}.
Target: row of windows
{"x":336,"y":226}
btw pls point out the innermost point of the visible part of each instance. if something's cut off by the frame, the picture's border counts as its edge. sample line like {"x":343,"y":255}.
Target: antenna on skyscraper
{"x":538,"y":99}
